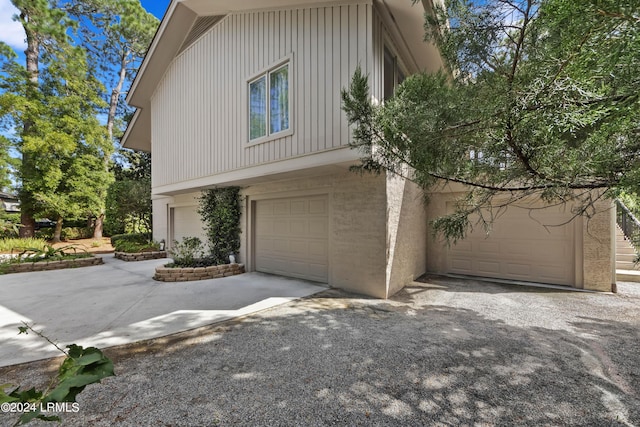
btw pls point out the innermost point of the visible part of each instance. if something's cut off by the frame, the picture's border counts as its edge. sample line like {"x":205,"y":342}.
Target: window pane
{"x":388,"y":79}
{"x":258,"y":108}
{"x":279,"y":101}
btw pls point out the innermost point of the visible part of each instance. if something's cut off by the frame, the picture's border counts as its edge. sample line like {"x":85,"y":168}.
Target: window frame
{"x":266,"y":74}
{"x":398,"y":67}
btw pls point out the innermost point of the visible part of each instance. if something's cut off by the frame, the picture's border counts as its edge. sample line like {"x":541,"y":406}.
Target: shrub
{"x":220,"y":210}
{"x":16,"y":244}
{"x":9,"y":224}
{"x":132,"y":247}
{"x":77,"y":233}
{"x":141,"y":238}
{"x":49,"y":253}
{"x":187,"y":253}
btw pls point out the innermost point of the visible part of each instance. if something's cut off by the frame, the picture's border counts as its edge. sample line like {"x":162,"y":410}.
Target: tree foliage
{"x":52,"y":104}
{"x":539,"y":98}
{"x":220,"y":210}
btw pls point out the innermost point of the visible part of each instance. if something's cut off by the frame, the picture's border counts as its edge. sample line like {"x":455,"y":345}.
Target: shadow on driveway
{"x":428,"y":357}
{"x":119,"y":303}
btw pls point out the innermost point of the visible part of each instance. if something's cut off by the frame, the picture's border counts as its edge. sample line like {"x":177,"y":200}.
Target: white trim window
{"x":269,"y":106}
{"x":393,"y":74}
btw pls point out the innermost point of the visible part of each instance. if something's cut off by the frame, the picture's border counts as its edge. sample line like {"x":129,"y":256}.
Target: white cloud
{"x":11,"y":32}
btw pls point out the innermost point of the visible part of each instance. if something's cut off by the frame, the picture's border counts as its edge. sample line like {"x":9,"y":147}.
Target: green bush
{"x":132,"y":247}
{"x":16,"y":244}
{"x":9,"y":224}
{"x":76,"y":233}
{"x":141,"y":238}
{"x":187,"y":253}
{"x":44,"y":233}
{"x":66,"y":233}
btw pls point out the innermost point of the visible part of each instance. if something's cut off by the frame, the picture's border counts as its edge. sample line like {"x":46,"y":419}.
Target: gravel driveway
{"x":445,"y":352}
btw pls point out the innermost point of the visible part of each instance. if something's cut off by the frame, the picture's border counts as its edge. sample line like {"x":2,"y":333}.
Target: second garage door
{"x":520,"y":247}
{"x":186,"y":222}
{"x":292,"y":237}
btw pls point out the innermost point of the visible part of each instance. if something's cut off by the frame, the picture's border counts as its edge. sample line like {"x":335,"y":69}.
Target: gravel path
{"x":445,"y":352}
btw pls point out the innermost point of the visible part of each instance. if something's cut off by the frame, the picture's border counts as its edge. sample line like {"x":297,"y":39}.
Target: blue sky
{"x":11,"y":32}
{"x":156,"y":7}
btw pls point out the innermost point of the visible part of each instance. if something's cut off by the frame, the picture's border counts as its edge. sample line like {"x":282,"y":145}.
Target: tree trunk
{"x":99,"y":226}
{"x":28,"y":228}
{"x":113,"y":108}
{"x":58,"y":231}
{"x":32,"y":62}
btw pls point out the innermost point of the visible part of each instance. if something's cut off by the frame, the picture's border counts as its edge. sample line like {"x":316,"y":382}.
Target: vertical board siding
{"x":199,"y":109}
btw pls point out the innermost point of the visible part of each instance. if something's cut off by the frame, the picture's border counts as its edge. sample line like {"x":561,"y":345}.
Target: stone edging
{"x":140,"y":256}
{"x":168,"y":274}
{"x":25,"y":267}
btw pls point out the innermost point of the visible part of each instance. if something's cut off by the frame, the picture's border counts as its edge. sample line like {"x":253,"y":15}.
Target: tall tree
{"x":540,"y":98}
{"x":117,"y":39}
{"x":53,"y":109}
{"x":68,"y":143}
{"x":46,"y":28}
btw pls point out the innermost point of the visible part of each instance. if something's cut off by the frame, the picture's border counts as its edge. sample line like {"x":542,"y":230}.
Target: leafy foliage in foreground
{"x":15,"y":244}
{"x":541,"y":98}
{"x":81,"y":367}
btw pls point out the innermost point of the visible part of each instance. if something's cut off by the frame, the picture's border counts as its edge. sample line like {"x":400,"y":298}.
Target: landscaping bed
{"x":140,"y":256}
{"x":185,"y":274}
{"x":24,"y":267}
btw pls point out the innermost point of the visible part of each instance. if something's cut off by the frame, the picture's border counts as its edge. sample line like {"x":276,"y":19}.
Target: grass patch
{"x":9,"y":245}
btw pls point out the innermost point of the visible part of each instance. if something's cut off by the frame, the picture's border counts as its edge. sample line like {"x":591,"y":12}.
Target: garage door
{"x":185,"y":222}
{"x":519,"y":247}
{"x":291,"y":237}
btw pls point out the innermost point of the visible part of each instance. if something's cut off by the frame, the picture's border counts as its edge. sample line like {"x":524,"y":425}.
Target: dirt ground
{"x":100,"y":246}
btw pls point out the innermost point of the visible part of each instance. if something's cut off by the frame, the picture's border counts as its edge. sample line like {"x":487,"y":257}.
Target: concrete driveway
{"x":120,"y":303}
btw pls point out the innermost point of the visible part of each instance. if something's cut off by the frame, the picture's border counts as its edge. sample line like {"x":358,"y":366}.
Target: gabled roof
{"x":186,"y":20}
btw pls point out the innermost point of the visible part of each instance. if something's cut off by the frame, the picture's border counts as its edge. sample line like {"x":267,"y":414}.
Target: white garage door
{"x":292,"y":237}
{"x":185,"y":222}
{"x":519,"y":248}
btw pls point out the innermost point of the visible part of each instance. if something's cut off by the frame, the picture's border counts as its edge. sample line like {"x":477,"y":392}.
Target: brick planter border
{"x":25,"y":267}
{"x":168,"y":274}
{"x":140,"y":256}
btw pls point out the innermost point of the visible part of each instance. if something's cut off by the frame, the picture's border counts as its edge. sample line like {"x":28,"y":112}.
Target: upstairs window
{"x":269,"y":103}
{"x":393,"y":74}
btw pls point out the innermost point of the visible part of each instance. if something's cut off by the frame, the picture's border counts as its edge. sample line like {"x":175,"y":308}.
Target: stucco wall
{"x":406,"y":233}
{"x":598,"y":247}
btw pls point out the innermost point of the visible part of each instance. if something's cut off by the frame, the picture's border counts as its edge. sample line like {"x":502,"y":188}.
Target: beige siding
{"x":199,"y":110}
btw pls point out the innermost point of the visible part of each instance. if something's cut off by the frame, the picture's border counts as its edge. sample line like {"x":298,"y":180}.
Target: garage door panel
{"x":519,"y":248}
{"x":291,"y":237}
{"x":318,"y":227}
{"x":319,"y":249}
{"x":318,"y":207}
{"x":186,"y":222}
{"x":299,"y":227}
{"x":280,"y":208}
{"x":298,"y":207}
{"x":518,"y":270}
{"x":488,"y":247}
{"x":488,"y":268}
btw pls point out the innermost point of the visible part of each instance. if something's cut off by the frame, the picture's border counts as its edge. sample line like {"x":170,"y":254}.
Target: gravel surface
{"x":444,"y":352}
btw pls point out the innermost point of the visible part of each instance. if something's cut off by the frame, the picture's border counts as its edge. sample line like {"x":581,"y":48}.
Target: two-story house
{"x":247,"y":93}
